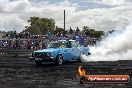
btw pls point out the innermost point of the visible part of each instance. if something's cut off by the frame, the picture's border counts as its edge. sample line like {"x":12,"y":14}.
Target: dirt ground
{"x":22,"y":73}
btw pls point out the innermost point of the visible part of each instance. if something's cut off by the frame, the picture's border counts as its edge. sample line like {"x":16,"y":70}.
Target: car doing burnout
{"x":59,"y":51}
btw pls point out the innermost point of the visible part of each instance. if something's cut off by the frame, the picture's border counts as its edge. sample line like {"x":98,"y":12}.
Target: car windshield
{"x":62,"y":44}
{"x":56,"y":45}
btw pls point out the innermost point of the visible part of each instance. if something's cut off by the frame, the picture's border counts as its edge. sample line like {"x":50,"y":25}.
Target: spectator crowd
{"x":27,"y":40}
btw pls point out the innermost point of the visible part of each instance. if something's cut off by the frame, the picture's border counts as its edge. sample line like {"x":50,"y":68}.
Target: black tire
{"x":38,"y":62}
{"x":59,"y":60}
{"x":79,"y":60}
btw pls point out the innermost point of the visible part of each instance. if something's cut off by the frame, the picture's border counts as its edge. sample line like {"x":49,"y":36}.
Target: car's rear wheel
{"x":59,"y":60}
{"x":38,"y":62}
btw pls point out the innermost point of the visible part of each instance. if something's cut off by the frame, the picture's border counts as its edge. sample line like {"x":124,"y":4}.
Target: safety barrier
{"x":15,"y":52}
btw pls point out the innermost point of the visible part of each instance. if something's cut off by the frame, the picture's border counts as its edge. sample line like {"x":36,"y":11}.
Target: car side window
{"x":78,"y":45}
{"x":74,"y":44}
{"x":68,"y":44}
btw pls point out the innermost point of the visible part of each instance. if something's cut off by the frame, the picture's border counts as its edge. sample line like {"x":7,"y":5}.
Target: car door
{"x":67,"y":54}
{"x":84,"y":50}
{"x":75,"y":50}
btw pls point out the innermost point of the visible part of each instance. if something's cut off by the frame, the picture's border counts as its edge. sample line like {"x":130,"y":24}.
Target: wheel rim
{"x":60,"y":60}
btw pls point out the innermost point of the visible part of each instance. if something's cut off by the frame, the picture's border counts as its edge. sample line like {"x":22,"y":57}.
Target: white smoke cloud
{"x":15,"y":13}
{"x":115,"y":47}
{"x":117,"y":2}
{"x":11,"y":22}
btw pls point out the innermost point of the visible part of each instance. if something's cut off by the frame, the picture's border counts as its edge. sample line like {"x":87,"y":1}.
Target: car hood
{"x":48,"y":50}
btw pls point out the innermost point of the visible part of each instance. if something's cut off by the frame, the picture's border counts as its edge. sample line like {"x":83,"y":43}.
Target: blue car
{"x":59,"y":52}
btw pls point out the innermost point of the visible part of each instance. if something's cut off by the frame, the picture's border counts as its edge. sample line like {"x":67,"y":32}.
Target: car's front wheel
{"x":59,"y":60}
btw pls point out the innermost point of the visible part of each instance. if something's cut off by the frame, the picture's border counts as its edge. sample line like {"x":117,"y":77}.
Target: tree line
{"x":42,"y":26}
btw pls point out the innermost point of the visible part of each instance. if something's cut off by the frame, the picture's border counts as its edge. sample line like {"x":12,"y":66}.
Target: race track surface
{"x":25,"y":74}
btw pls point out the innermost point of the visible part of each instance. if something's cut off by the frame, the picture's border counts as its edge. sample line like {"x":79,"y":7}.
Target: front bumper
{"x":45,"y":59}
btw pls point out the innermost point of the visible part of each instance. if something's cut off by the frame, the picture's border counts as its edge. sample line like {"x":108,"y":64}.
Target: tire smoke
{"x":117,"y":46}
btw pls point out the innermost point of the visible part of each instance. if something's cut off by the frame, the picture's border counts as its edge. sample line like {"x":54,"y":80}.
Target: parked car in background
{"x":59,"y":52}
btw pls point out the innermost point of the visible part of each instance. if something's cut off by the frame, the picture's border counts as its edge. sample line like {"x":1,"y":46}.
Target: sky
{"x":98,"y":14}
